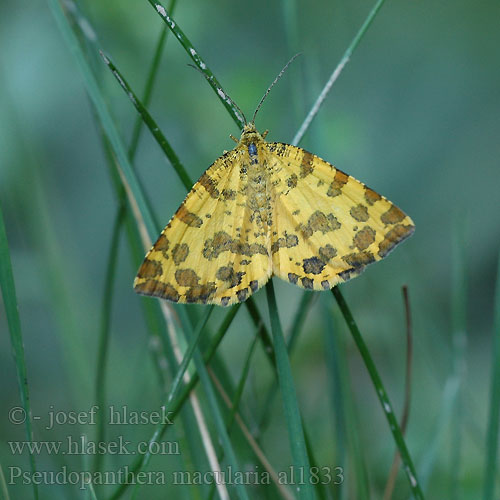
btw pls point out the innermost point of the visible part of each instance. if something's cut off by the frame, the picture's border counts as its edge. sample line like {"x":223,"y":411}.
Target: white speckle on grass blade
{"x":193,"y":52}
{"x":119,"y":78}
{"x":413,"y":481}
{"x":221,"y":94}
{"x":161,"y":10}
{"x":387,"y":408}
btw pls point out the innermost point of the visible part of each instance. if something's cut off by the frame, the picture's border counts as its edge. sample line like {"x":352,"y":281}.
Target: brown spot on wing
{"x":392,"y":216}
{"x":201,"y":293}
{"x":359,"y":213}
{"x":180,"y":253}
{"x":288,"y":241}
{"x":162,"y":245}
{"x":293,"y":278}
{"x":222,"y":242}
{"x":291,"y":182}
{"x":313,"y":265}
{"x":337,"y":184}
{"x":150,"y":269}
{"x":190,"y":219}
{"x":186,"y":277}
{"x":371,"y":196}
{"x":242,"y":294}
{"x":319,"y":221}
{"x":307,"y":283}
{"x":359,"y":259}
{"x":364,"y":238}
{"x":227,"y":274}
{"x":396,"y":235}
{"x":306,"y":165}
{"x":158,"y":289}
{"x":209,"y":184}
{"x":228,"y":194}
{"x":327,"y":252}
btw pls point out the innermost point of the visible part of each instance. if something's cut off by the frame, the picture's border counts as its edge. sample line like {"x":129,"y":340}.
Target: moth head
{"x":250,"y":135}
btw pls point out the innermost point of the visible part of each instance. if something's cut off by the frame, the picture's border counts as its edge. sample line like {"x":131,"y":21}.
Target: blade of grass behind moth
{"x":491,"y":468}
{"x":218,"y":420}
{"x":391,"y":481}
{"x":101,"y":108}
{"x":297,"y":323}
{"x":200,"y":64}
{"x":7,"y":285}
{"x":234,"y":415}
{"x":151,"y":124}
{"x":345,"y":424}
{"x":105,"y":323}
{"x":381,"y":394}
{"x":289,"y":396}
{"x":458,"y":350}
{"x":148,"y":89}
{"x":176,"y":384}
{"x":184,"y":393}
{"x":336,"y":72}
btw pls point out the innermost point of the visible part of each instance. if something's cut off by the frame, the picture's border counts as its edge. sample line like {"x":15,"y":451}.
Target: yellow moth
{"x":264,"y":209}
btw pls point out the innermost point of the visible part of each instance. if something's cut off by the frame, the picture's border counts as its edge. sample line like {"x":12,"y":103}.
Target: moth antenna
{"x":280,"y":74}
{"x":220,"y":91}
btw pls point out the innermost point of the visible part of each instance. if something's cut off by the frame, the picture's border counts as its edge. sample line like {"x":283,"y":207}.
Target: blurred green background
{"x":415,"y":115}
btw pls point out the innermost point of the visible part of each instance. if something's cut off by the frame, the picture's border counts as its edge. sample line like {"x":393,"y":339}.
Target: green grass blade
{"x":102,"y":110}
{"x":381,"y":394}
{"x":8,"y":288}
{"x":200,"y":64}
{"x":491,"y":467}
{"x":336,"y":72}
{"x":219,"y":420}
{"x":177,"y":382}
{"x":346,"y":421}
{"x":290,"y":404}
{"x":185,"y":391}
{"x":151,"y":124}
{"x":104,"y":333}
{"x":236,"y":402}
{"x":297,"y":323}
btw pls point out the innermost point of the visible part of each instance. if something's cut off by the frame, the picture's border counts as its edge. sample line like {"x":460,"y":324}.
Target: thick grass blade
{"x":491,"y":468}
{"x":8,"y":289}
{"x":290,"y":404}
{"x":381,"y":394}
